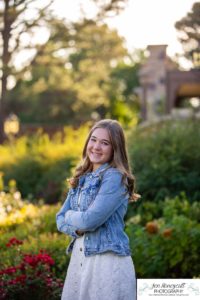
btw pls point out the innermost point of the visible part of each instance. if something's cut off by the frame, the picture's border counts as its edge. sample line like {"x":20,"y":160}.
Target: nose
{"x":97,"y":146}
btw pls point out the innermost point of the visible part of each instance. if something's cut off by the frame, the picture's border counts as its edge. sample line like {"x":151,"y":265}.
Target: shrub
{"x":146,"y":211}
{"x":35,"y":225}
{"x":166,"y":159}
{"x":40,"y":179}
{"x":40,"y":165}
{"x":13,"y":209}
{"x":167,"y":252}
{"x":166,"y":246}
{"x":30,"y":275}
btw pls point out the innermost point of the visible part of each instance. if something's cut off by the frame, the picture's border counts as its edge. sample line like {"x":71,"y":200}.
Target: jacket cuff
{"x":69,"y":230}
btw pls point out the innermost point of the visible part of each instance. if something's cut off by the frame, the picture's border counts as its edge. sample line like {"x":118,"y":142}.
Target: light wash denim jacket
{"x":103,"y":200}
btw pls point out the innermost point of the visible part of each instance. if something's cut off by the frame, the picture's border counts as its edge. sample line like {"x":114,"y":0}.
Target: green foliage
{"x":189,"y":27}
{"x":166,"y":159}
{"x":35,"y":225}
{"x":73,"y":75}
{"x":40,"y":165}
{"x":105,"y":9}
{"x":29,"y":272}
{"x":123,"y":103}
{"x":146,"y":211}
{"x":40,"y":179}
{"x":166,"y":246}
{"x":127,"y":74}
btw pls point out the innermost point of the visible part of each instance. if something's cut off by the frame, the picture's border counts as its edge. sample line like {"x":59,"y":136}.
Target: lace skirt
{"x":99,"y":277}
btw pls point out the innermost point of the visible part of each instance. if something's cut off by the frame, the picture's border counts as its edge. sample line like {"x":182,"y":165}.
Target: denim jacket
{"x":97,"y":206}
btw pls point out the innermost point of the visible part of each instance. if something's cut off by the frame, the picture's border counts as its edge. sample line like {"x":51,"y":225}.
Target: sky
{"x":142,"y":23}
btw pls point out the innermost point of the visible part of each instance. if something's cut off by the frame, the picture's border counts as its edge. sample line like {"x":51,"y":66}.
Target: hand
{"x":80,"y":233}
{"x":135,"y":197}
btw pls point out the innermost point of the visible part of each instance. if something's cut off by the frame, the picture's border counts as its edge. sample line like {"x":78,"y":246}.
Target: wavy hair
{"x":118,"y":160}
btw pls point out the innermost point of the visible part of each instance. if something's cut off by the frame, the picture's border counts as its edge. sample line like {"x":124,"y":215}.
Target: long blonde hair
{"x":118,"y":160}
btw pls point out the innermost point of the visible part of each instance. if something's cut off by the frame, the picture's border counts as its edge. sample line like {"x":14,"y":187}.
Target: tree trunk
{"x":6,"y":33}
{"x":2,"y":101}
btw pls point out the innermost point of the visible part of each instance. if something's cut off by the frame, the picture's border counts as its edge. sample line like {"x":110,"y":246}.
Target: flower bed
{"x":30,"y":276}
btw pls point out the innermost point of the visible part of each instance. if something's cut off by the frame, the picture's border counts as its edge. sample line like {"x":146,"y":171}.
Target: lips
{"x":97,"y":155}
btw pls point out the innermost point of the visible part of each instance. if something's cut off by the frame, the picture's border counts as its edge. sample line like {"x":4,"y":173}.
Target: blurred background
{"x":65,"y":65}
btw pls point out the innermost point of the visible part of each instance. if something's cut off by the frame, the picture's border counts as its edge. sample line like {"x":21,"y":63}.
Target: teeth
{"x":96,"y":154}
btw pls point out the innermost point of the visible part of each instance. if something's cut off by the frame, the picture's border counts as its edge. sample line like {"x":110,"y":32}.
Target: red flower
{"x":9,"y":270}
{"x":21,"y":278}
{"x":13,"y":242}
{"x":33,"y":260}
{"x":34,"y":270}
{"x":49,"y":281}
{"x":21,"y":267}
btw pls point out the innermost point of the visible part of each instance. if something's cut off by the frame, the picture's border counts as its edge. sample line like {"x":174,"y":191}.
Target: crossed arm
{"x":60,"y":219}
{"x":111,"y":195}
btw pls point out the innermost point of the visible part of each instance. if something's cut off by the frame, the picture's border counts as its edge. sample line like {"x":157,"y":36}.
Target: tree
{"x":14,"y":25}
{"x":106,"y":8}
{"x":97,"y":50}
{"x":124,"y":103}
{"x":189,"y":29}
{"x":67,"y":89}
{"x":21,"y":17}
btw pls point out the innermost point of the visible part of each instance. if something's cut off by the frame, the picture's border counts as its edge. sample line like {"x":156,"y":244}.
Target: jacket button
{"x":81,"y":249}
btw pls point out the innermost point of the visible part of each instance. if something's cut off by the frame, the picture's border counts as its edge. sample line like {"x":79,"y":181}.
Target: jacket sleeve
{"x":60,"y":219}
{"x":111,"y":195}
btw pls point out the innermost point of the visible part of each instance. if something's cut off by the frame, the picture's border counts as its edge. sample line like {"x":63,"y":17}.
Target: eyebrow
{"x":103,"y":140}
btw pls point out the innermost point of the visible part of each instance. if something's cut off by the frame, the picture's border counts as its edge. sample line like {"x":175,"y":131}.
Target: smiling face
{"x":99,"y":148}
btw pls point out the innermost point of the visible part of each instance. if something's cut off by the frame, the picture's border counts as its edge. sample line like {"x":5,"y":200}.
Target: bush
{"x":164,"y":238}
{"x":39,"y":165}
{"x":38,"y":178}
{"x":13,"y":209}
{"x":166,"y":159}
{"x":29,"y":276}
{"x":166,"y":250}
{"x":145,"y":211}
{"x":166,"y":246}
{"x":35,"y":225}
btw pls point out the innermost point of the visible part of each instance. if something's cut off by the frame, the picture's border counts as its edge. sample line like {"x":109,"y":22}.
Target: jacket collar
{"x":96,"y":173}
{"x":100,"y":169}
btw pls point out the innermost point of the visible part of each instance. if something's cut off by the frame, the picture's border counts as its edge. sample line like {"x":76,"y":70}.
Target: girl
{"x":101,"y":266}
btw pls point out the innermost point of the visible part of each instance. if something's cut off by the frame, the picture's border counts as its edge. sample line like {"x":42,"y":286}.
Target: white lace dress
{"x":105,"y":276}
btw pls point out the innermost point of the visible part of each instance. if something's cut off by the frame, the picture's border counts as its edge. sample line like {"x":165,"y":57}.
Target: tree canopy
{"x":19,"y":22}
{"x":189,"y":30}
{"x":77,"y":74}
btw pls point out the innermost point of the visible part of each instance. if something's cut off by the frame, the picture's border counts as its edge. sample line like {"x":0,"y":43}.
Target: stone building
{"x":162,"y":85}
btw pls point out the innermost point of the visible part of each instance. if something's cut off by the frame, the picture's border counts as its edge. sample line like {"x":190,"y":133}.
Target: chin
{"x":97,"y":162}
